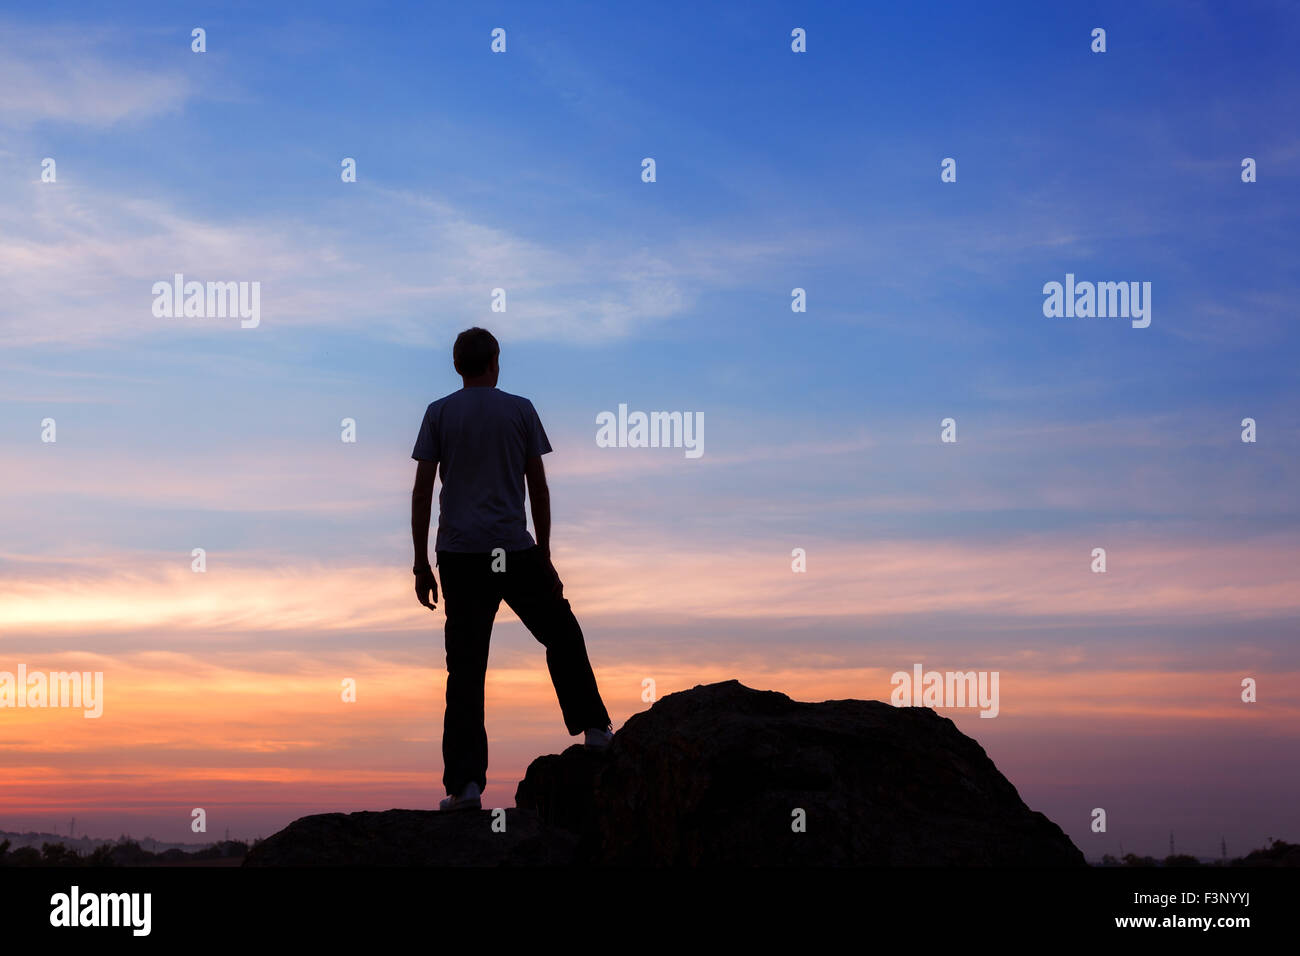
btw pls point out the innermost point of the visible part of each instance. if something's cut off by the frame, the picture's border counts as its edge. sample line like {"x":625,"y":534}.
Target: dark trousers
{"x":471,"y":594}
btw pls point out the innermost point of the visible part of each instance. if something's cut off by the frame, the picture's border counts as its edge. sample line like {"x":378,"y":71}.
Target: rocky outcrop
{"x":415,"y":838}
{"x":723,"y":775}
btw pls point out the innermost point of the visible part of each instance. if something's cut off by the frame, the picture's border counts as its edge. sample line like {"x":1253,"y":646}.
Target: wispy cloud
{"x":76,"y":75}
{"x":80,"y":263}
{"x":1045,"y":577}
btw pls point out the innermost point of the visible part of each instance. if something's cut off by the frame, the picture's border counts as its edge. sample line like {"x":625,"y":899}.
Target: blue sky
{"x":775,"y":170}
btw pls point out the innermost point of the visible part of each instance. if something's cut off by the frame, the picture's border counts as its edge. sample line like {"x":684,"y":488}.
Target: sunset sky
{"x":775,"y":171}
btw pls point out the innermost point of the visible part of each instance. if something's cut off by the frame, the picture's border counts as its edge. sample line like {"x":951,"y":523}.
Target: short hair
{"x":474,"y":351}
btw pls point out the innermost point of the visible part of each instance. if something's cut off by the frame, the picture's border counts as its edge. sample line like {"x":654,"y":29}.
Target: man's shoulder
{"x":439,"y":403}
{"x":476,"y":401}
{"x":517,"y":400}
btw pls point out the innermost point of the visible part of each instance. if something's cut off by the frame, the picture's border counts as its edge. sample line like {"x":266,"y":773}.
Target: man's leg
{"x":471,"y":601}
{"x":538,"y":599}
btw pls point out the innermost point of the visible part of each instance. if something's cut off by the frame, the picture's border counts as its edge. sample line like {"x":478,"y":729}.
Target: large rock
{"x":715,"y":775}
{"x":415,"y":838}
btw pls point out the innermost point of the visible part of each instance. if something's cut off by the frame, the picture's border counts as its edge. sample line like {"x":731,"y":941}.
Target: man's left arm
{"x":426,"y":586}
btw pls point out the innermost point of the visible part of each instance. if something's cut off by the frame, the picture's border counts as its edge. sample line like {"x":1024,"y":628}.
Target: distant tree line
{"x":1277,"y":853}
{"x":130,"y":853}
{"x":122,"y":853}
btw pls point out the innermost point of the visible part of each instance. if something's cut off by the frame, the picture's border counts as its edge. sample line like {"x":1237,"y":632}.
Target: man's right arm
{"x":426,"y":587}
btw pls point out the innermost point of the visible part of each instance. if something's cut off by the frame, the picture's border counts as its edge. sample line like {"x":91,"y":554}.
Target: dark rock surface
{"x":415,"y":838}
{"x":714,"y":776}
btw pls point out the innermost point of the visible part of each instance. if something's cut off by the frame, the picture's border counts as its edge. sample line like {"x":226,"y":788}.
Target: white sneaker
{"x":597,"y":739}
{"x":469,"y":799}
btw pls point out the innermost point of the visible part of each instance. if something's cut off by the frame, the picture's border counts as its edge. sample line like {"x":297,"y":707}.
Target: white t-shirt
{"x":481,"y":438}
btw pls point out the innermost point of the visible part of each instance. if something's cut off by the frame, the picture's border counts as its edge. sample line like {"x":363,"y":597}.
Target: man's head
{"x":475,"y":356}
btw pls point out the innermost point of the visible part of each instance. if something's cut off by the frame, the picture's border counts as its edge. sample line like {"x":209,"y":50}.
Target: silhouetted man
{"x":488,"y":443}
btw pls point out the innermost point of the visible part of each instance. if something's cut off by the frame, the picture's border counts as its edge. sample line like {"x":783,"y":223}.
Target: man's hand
{"x":426,"y":588}
{"x":557,"y":586}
